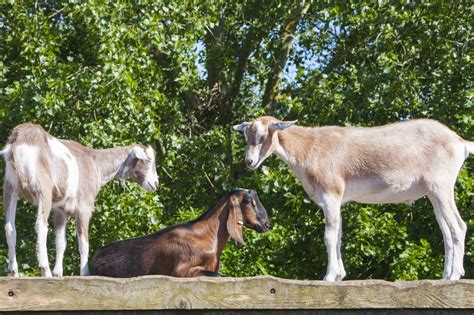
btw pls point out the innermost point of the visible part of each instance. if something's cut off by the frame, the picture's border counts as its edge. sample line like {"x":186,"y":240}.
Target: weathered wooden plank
{"x":262,"y":292}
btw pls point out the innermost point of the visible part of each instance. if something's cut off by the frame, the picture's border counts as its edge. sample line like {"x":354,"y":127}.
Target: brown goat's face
{"x":142,"y":168}
{"x":254,"y":215}
{"x":246,"y":210}
{"x":261,"y":138}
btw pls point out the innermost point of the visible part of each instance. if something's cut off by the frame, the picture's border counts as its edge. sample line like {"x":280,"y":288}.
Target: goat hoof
{"x":454,"y":276}
{"x":329,"y":279}
{"x":85,"y":271}
{"x":45,"y":272}
{"x":13,"y":274}
{"x":336,"y":277}
{"x":340,"y":276}
{"x":57,"y":273}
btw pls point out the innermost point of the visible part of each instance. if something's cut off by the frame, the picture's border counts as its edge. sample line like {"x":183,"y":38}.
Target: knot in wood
{"x":182,"y":303}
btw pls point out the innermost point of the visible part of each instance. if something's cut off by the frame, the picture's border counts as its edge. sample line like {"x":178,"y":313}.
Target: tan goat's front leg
{"x":332,"y":237}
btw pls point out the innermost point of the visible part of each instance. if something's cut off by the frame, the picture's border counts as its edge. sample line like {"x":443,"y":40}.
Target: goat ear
{"x":282,"y":125}
{"x":138,"y":153}
{"x":235,"y":221}
{"x":241,"y":127}
{"x":124,"y":167}
{"x":133,"y":153}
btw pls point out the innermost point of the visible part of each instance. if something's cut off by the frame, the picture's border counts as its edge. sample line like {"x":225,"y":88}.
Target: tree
{"x":178,"y":75}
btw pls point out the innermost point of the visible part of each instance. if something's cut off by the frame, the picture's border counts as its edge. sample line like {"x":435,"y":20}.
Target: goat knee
{"x":331,"y":234}
{"x":10,"y":233}
{"x":58,"y":271}
{"x":9,"y":229}
{"x":463,"y":228}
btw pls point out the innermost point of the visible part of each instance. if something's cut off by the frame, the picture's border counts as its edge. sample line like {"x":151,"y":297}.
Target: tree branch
{"x":246,"y":50}
{"x":165,"y":62}
{"x":340,"y":53}
{"x":281,"y":55}
{"x":213,"y":41}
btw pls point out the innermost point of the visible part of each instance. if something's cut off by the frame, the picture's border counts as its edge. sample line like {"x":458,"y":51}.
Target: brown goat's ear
{"x":235,"y":221}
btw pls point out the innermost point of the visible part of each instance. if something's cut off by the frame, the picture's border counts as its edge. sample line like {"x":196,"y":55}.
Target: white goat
{"x":65,"y":176}
{"x":395,"y":163}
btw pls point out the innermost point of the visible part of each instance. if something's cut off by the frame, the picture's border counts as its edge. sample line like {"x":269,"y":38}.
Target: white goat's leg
{"x":44,"y":208}
{"x":332,"y":234}
{"x":10,"y":198}
{"x":339,"y":255}
{"x":60,"y":222}
{"x":454,"y":231}
{"x":82,"y":228}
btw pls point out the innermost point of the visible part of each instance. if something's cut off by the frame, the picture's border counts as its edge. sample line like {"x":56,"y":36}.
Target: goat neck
{"x":108,"y":162}
{"x":214,"y":222}
{"x":290,"y":145}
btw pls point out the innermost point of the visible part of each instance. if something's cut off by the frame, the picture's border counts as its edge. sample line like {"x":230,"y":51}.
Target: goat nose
{"x":267,"y":225}
{"x":249,"y":161}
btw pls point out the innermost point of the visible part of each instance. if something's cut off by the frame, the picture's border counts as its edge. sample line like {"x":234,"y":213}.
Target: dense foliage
{"x":179,"y":74}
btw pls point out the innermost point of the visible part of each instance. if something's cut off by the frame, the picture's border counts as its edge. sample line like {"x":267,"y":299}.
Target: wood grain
{"x":262,"y":292}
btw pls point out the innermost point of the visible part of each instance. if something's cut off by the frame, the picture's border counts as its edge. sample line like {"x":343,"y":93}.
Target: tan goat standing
{"x":395,"y":163}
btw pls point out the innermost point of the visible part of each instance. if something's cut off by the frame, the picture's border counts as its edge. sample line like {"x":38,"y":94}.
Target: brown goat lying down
{"x":189,"y":249}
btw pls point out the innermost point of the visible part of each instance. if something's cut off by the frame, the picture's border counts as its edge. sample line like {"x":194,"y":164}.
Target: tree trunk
{"x":214,"y":41}
{"x":281,"y":55}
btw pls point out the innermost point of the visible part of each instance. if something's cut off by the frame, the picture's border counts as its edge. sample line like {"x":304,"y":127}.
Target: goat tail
{"x":7,"y":150}
{"x":19,"y":169}
{"x":469,"y":147}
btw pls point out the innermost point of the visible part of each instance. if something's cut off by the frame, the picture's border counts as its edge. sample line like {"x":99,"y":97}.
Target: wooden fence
{"x":262,"y":292}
